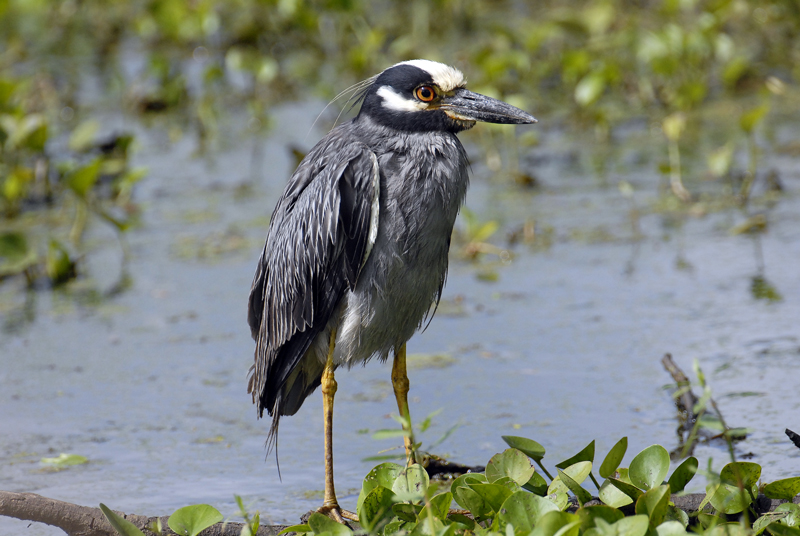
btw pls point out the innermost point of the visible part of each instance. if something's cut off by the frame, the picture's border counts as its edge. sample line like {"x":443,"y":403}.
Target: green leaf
{"x":295,"y":528}
{"x":613,"y":458}
{"x":683,"y":474}
{"x":84,"y":178}
{"x":793,"y":511}
{"x":654,"y":504}
{"x":778,"y":529}
{"x":58,"y":265}
{"x":769,"y":517}
{"x":523,"y":510}
{"x":557,"y":524}
{"x":786,"y":488}
{"x":470,"y":500}
{"x":632,"y":526}
{"x":747,"y":472}
{"x":465,"y":479}
{"x":751,"y":118}
{"x":649,"y":468}
{"x":727,"y":499}
{"x":376,"y":508}
{"x":493,"y":494}
{"x":384,"y":475}
{"x":590,"y":88}
{"x":671,"y":528}
{"x":191,"y":520}
{"x":411,"y":482}
{"x":581,"y":494}
{"x":440,"y":506}
{"x":407,"y":512}
{"x":585,"y":455}
{"x":83,"y":136}
{"x":320,"y":523}
{"x":530,"y":447}
{"x":628,"y":489}
{"x":65,"y":460}
{"x":612,"y":496}
{"x":510,"y":463}
{"x":577,"y":472}
{"x":676,"y":514}
{"x":590,"y":514}
{"x":536,"y":484}
{"x":120,"y":524}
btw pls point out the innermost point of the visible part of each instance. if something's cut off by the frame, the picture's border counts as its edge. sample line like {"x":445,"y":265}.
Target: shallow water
{"x":563,"y":348}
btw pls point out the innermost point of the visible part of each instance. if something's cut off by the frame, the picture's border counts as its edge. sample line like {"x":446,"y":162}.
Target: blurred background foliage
{"x":704,"y":73}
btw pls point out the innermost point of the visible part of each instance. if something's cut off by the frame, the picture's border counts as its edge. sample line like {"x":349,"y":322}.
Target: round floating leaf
{"x":375,"y":508}
{"x":671,"y":528}
{"x":585,"y":455}
{"x":412,"y":481}
{"x":494,"y":494}
{"x":748,"y":472}
{"x":528,"y":446}
{"x":191,"y":520}
{"x":654,"y":504}
{"x":786,"y":488}
{"x":649,"y":468}
{"x":536,"y":484}
{"x":557,"y":524}
{"x":613,"y":458}
{"x":65,"y":460}
{"x":523,"y":510}
{"x":683,"y":474}
{"x":590,"y":514}
{"x":612,"y":496}
{"x":581,"y":494}
{"x":120,"y":524}
{"x":320,"y":523}
{"x":512,"y":463}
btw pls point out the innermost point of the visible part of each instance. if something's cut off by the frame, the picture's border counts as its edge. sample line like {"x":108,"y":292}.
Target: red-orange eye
{"x":425,"y":93}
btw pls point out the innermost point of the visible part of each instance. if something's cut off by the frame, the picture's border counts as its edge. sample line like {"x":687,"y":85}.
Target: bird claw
{"x":338,"y":514}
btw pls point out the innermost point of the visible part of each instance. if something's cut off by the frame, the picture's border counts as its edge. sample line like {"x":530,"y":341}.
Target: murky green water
{"x":564,"y":347}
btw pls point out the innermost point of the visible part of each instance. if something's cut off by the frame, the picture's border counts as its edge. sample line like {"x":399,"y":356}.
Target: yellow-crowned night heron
{"x":356,"y":251}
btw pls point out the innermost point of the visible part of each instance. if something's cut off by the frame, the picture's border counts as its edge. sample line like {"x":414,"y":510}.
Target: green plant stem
{"x":539,"y":463}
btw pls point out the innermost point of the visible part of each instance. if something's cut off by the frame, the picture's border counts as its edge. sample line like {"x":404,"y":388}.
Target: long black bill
{"x":476,"y":107}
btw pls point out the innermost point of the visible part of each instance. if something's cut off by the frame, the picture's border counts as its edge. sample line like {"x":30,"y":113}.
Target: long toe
{"x":338,"y":514}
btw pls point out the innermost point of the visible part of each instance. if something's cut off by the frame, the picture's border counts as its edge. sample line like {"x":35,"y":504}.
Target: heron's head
{"x":424,"y":96}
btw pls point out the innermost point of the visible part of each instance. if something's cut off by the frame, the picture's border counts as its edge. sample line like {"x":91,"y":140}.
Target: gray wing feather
{"x":316,"y":246}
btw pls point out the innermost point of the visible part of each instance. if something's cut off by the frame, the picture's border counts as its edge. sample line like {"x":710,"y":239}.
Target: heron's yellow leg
{"x":331,"y":506}
{"x":400,"y":383}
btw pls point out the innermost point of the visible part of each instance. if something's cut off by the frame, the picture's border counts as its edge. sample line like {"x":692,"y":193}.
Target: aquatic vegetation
{"x":591,"y":67}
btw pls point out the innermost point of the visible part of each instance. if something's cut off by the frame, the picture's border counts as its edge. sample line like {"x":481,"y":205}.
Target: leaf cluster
{"x":513,"y":498}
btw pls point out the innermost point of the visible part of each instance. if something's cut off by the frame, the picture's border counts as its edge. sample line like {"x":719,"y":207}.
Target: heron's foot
{"x":337,"y":513}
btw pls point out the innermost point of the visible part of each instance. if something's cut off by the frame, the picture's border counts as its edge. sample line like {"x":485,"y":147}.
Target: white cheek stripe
{"x":397,"y":102}
{"x":446,"y":77}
